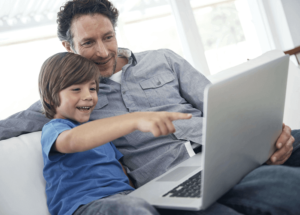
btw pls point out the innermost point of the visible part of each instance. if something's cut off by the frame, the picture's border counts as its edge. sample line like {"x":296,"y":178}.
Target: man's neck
{"x":121,"y":61}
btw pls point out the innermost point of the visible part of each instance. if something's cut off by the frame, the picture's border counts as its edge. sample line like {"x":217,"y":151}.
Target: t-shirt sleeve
{"x":119,"y":155}
{"x":50,"y":133}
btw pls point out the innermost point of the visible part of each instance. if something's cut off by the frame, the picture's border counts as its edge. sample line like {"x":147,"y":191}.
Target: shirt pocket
{"x":161,"y":89}
{"x":102,"y":109}
{"x":102,"y":101}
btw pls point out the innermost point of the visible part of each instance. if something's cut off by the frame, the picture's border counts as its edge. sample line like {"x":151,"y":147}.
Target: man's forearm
{"x":27,"y":121}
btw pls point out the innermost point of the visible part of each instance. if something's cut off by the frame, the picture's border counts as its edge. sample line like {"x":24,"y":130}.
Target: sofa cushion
{"x":22,"y":183}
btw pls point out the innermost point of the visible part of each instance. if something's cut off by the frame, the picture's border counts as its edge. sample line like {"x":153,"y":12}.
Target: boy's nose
{"x":86,"y":95}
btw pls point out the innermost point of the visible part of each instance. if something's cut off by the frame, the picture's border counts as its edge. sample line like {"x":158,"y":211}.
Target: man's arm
{"x":96,"y":133}
{"x":23,"y":122}
{"x":191,"y":82}
{"x":190,"y":86}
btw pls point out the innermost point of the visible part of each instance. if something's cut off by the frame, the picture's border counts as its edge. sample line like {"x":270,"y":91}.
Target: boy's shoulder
{"x":56,"y":126}
{"x":59,"y":122}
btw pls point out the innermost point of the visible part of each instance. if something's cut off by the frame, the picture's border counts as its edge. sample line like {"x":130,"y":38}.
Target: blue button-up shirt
{"x":151,"y":81}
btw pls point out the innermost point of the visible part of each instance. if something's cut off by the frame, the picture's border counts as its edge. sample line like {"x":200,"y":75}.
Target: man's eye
{"x":87,"y":43}
{"x":109,"y":37}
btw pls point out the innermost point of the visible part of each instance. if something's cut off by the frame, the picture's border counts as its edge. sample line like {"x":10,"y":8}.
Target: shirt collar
{"x":124,"y":52}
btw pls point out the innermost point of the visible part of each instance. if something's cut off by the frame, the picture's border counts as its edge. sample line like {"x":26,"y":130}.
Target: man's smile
{"x":104,"y":62}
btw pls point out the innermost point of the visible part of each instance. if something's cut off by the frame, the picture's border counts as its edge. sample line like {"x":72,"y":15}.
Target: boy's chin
{"x":82,"y":121}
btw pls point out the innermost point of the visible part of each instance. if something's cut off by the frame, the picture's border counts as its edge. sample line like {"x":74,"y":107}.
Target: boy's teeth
{"x":83,"y":107}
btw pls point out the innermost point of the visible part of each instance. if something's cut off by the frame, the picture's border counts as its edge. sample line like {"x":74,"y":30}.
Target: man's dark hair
{"x":61,"y":71}
{"x":76,"y":8}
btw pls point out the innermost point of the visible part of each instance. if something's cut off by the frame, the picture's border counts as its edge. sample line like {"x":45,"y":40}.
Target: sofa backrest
{"x":22,"y":185}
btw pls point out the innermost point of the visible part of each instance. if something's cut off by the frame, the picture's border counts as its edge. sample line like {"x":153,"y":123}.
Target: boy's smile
{"x":77,"y":102}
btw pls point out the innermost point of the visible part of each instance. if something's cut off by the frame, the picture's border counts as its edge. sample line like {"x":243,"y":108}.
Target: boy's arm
{"x":93,"y":134}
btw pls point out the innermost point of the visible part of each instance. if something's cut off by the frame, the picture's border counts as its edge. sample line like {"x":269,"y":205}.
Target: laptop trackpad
{"x":178,"y":173}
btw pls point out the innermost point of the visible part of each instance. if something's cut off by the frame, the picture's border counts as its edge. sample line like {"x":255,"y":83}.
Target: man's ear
{"x":67,"y":46}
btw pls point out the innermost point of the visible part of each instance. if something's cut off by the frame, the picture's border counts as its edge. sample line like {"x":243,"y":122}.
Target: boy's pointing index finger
{"x":176,"y":116}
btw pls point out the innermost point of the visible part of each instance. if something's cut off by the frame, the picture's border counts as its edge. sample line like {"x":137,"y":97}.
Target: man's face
{"x":94,"y":38}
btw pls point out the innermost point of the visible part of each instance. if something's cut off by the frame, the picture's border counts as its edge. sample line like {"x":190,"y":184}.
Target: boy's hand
{"x":159,"y":123}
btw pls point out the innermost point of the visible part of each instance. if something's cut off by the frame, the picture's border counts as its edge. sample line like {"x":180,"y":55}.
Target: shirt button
{"x":124,"y":92}
{"x":158,"y":83}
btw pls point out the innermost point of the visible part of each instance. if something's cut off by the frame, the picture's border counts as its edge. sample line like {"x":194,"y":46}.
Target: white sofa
{"x":21,"y":181}
{"x":22,"y":184}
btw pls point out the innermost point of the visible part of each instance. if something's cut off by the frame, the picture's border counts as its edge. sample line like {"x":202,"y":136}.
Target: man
{"x":158,"y":81}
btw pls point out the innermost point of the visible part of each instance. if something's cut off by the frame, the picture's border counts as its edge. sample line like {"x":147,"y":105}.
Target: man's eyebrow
{"x":91,"y":38}
{"x":110,"y":32}
{"x":86,"y":38}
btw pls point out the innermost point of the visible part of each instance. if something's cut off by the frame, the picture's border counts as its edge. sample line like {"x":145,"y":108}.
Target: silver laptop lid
{"x":243,"y":117}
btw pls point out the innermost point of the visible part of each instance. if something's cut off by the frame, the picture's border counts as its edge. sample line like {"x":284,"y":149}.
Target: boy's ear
{"x":46,"y":101}
{"x":67,"y":46}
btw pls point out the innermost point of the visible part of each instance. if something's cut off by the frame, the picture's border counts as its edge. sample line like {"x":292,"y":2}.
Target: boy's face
{"x":77,"y":102}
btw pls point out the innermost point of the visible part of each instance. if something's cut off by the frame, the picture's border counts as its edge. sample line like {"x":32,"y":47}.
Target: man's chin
{"x":106,"y":74}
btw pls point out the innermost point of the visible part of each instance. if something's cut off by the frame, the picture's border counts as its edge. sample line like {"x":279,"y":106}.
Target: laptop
{"x":243,"y":118}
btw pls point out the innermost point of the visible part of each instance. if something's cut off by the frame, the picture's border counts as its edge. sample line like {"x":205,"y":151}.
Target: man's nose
{"x":101,"y":50}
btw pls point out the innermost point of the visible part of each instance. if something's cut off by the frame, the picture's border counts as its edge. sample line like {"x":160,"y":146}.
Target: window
{"x":225,"y":26}
{"x":20,"y":67}
{"x":227,"y":32}
{"x":146,"y":25}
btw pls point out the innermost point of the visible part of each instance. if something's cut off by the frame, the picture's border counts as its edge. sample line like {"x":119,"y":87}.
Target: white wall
{"x":292,"y":12}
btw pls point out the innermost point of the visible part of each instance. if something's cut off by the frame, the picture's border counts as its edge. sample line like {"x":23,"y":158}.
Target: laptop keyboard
{"x":188,"y":189}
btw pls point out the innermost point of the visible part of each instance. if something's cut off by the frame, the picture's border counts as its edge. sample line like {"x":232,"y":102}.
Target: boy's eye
{"x":76,"y":89}
{"x":93,"y":89}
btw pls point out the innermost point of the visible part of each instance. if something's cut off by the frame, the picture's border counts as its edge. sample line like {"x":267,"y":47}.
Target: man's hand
{"x":158,"y":123}
{"x":284,"y":147}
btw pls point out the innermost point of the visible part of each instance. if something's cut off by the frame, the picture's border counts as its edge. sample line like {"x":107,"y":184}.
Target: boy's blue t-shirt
{"x":79,"y":178}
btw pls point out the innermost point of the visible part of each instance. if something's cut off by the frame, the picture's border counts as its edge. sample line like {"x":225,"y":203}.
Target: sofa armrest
{"x":22,"y":183}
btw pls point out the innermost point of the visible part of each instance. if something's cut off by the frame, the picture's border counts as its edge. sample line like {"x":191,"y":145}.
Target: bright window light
{"x":227,"y":33}
{"x":225,"y":26}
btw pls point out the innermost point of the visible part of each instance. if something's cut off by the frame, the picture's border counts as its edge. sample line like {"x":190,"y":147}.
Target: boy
{"x":81,"y":166}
